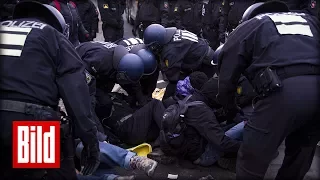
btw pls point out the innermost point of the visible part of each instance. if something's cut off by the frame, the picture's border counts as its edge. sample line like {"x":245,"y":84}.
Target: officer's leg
{"x":109,"y":33}
{"x":119,"y":33}
{"x":149,"y":83}
{"x":273,"y":119}
{"x":7,"y":171}
{"x":300,"y":150}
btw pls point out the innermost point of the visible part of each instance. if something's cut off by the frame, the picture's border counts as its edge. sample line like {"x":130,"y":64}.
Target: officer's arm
{"x":177,"y":14}
{"x":223,"y":22}
{"x":135,"y":90}
{"x":83,"y":33}
{"x":207,"y":125}
{"x":171,"y":64}
{"x":74,"y":91}
{"x":233,"y":60}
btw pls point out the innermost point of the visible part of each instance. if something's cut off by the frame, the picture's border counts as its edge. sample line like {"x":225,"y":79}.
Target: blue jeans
{"x":211,"y":154}
{"x":110,"y":156}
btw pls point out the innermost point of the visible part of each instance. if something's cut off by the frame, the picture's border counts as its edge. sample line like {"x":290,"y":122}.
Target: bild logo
{"x":36,"y":144}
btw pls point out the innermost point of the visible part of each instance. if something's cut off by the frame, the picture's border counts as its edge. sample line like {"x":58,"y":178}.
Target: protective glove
{"x":232,"y":112}
{"x":222,"y":38}
{"x":90,"y":158}
{"x":134,"y":32}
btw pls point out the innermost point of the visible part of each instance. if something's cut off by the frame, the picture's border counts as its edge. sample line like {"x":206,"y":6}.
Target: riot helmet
{"x":264,"y":7}
{"x":149,"y":61}
{"x":154,"y":37}
{"x":129,"y":67}
{"x":43,"y":12}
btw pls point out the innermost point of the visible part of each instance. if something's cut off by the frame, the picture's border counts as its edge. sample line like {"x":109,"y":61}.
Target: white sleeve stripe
{"x":127,"y":42}
{"x":188,"y":32}
{"x":10,"y":52}
{"x":133,"y":41}
{"x":15,"y":29}
{"x":286,"y":18}
{"x":140,"y":40}
{"x":295,"y":29}
{"x":12,"y":39}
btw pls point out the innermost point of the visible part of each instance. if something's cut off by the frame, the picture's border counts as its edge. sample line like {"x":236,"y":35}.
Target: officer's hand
{"x":232,"y":112}
{"x":222,"y":38}
{"x":88,"y":37}
{"x":134,"y":32}
{"x":90,"y":158}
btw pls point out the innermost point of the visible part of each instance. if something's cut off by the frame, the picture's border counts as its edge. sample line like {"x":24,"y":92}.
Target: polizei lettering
{"x":24,"y":24}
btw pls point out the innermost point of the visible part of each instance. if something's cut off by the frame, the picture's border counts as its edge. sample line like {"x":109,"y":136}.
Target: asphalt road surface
{"x":187,"y":172}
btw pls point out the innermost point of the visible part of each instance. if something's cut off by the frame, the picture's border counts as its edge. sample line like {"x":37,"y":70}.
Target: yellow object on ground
{"x":142,"y":150}
{"x":158,"y":93}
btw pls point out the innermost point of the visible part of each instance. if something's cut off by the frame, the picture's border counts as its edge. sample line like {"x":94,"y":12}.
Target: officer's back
{"x":303,"y":42}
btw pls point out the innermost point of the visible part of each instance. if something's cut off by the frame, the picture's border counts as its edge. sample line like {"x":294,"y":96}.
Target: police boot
{"x":160,"y":157}
{"x":124,"y":178}
{"x":144,"y":164}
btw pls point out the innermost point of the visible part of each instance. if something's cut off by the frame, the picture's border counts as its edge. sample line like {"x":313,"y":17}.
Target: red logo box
{"x":36,"y":144}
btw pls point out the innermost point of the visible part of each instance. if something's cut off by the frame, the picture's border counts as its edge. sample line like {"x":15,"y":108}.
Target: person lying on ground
{"x":112,"y":156}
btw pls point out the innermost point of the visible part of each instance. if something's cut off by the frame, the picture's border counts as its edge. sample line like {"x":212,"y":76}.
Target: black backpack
{"x":173,"y":126}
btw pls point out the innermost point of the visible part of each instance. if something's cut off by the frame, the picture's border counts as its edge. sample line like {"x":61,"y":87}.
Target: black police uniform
{"x":132,"y":126}
{"x":6,"y":9}
{"x":36,"y":70}
{"x":69,"y":11}
{"x":211,"y":21}
{"x":148,"y":83}
{"x":148,"y":13}
{"x":231,"y":14}
{"x":98,"y":57}
{"x":167,"y":13}
{"x":89,"y":15}
{"x":306,"y":6}
{"x":290,"y":106}
{"x":188,"y":14}
{"x":184,"y":54}
{"x":111,"y":16}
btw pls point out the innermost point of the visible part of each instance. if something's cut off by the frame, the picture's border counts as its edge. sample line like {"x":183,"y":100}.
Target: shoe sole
{"x":150,"y":173}
{"x":165,"y":160}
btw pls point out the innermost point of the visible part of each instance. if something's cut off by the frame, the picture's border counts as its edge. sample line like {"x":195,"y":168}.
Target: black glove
{"x":90,"y":158}
{"x":222,"y":38}
{"x":134,"y":32}
{"x":231,"y":113}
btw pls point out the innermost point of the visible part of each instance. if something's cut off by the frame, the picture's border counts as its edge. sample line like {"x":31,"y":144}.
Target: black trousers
{"x":291,"y":114}
{"x":143,"y":125}
{"x":66,"y":171}
{"x":111,"y":34}
{"x":149,"y":83}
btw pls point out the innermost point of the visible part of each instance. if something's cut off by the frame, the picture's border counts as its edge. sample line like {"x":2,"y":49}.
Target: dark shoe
{"x":160,"y":157}
{"x":144,"y":164}
{"x":228,"y":163}
{"x":124,"y":178}
{"x":207,"y":178}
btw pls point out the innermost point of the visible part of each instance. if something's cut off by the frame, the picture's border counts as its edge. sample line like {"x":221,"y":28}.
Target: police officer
{"x":110,"y":64}
{"x":167,"y":13}
{"x":42,"y":64}
{"x":181,"y":52}
{"x":111,"y":12}
{"x":148,"y":13}
{"x":231,"y":13}
{"x":148,"y":81}
{"x":210,"y":22}
{"x":6,"y":9}
{"x":188,"y":15}
{"x":256,"y":49}
{"x":69,"y":11}
{"x":89,"y":15}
